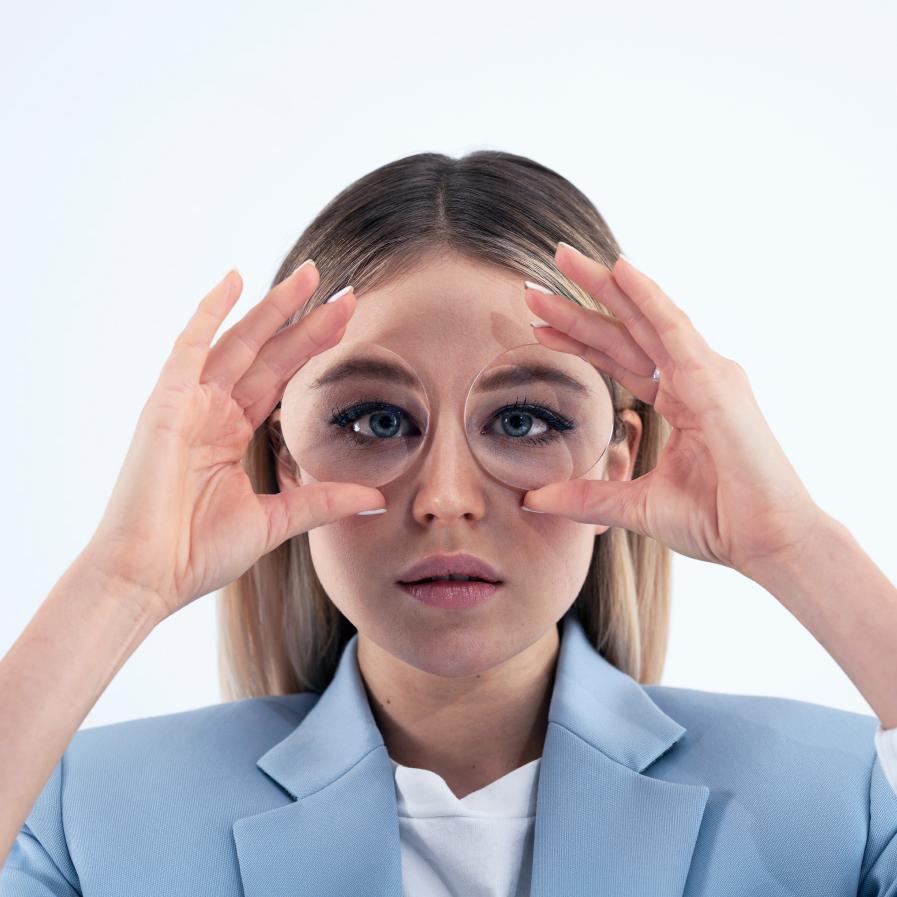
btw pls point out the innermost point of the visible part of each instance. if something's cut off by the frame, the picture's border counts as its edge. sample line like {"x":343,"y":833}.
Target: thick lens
{"x":355,"y":414}
{"x":536,"y":416}
{"x":532,"y":416}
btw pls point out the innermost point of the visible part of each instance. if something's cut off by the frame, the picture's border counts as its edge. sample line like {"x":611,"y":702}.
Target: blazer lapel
{"x":341,"y":834}
{"x":602,"y":827}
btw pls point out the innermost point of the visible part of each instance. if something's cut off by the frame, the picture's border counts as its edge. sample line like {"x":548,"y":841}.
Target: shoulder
{"x":796,"y":781}
{"x":759,"y":714}
{"x":181,"y":778}
{"x":268,"y":714}
{"x":232,"y":730}
{"x":776,"y":736}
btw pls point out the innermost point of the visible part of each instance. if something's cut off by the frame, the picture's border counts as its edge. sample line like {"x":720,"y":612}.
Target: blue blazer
{"x":644,"y":791}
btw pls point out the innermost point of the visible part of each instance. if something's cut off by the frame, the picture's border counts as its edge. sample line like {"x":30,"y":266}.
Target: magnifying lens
{"x":361,"y":414}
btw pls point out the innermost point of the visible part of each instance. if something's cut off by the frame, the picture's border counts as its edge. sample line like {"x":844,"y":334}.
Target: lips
{"x":461,"y":564}
{"x":457,"y":577}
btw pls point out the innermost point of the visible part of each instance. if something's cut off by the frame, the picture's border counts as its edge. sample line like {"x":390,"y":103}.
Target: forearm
{"x":837,"y":592}
{"x":52,"y":676}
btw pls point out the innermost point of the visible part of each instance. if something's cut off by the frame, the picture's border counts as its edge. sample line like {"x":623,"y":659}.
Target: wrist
{"x":114,"y":590}
{"x":822,"y":536}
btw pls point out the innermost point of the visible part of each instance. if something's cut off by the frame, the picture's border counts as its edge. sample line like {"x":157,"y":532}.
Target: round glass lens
{"x":536,"y":416}
{"x":361,"y":414}
{"x":355,"y":414}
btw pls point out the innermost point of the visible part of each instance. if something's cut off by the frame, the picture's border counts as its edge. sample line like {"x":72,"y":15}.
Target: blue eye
{"x":387,"y":419}
{"x":516,"y":417}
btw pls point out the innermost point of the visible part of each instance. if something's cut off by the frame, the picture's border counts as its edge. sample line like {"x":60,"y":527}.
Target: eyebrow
{"x":528,"y":373}
{"x":385,"y":370}
{"x":365,"y":367}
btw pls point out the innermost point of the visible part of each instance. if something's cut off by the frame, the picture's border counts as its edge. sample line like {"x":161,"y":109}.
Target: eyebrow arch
{"x":528,"y":373}
{"x":366,"y":367}
{"x":505,"y":376}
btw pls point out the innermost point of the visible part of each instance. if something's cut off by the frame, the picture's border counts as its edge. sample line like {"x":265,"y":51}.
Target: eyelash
{"x":558,"y":423}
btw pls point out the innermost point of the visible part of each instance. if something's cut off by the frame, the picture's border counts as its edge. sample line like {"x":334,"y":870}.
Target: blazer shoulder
{"x":182,"y":774}
{"x":229,"y":731}
{"x":767,"y":719}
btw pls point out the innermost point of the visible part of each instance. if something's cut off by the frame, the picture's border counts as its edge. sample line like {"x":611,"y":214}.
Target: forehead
{"x":451,"y":304}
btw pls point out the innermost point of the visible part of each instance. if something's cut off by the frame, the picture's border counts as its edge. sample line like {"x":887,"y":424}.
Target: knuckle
{"x":732,"y":369}
{"x":698,"y":361}
{"x":631,"y":318}
{"x":250,"y":345}
{"x":188,"y":340}
{"x":677,"y":320}
{"x":329,"y":504}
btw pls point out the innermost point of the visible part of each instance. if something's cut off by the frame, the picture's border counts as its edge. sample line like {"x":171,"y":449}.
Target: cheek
{"x":347,"y":561}
{"x":561,"y":553}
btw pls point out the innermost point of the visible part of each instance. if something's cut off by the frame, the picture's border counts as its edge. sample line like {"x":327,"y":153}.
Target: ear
{"x":621,"y":455}
{"x":287,"y":473}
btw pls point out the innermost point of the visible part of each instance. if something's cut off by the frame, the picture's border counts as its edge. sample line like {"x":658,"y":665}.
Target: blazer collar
{"x":601,"y":825}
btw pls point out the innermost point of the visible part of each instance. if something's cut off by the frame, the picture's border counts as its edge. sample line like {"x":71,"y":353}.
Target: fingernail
{"x":532,"y":510}
{"x":304,"y":264}
{"x":539,"y":323}
{"x":537,"y":286}
{"x":562,"y":243}
{"x":378,"y":511}
{"x":340,"y":294}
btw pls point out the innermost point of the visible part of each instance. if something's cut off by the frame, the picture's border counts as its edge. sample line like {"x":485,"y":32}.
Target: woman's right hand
{"x":183,"y":518}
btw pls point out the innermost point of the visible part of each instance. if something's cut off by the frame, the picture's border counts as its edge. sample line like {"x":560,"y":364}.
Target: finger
{"x":263,"y":385}
{"x":259,"y":409}
{"x":598,"y":282}
{"x":610,"y":502}
{"x":642,"y":387}
{"x":679,"y":336}
{"x":191,"y":348}
{"x":593,"y":328}
{"x":302,"y":508}
{"x":238,"y":347}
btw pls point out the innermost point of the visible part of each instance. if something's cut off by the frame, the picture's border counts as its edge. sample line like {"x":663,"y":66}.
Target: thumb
{"x":609,"y":502}
{"x":302,"y":508}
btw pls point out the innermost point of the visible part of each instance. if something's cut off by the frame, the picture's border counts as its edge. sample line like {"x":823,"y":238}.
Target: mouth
{"x":452,"y":578}
{"x":457,"y":567}
{"x":451,"y":592}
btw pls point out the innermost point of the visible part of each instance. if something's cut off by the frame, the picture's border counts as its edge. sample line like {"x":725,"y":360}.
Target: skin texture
{"x":463,"y":693}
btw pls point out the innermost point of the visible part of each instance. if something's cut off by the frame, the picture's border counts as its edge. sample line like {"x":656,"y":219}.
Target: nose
{"x":448,"y":482}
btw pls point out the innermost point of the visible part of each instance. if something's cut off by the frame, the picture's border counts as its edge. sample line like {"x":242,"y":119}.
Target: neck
{"x":470,"y":730}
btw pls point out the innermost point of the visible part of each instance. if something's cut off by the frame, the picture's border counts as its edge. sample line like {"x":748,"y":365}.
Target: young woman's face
{"x":449,"y":319}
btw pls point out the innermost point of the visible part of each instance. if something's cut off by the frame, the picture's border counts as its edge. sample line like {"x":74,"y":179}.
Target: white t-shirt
{"x":478,"y":846}
{"x":482,"y":844}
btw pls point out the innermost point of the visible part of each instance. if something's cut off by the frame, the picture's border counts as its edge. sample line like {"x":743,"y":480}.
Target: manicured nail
{"x":537,"y":286}
{"x":303,"y":265}
{"x":539,"y":323}
{"x":532,"y":510}
{"x":378,"y":511}
{"x":562,"y":243}
{"x":340,"y":294}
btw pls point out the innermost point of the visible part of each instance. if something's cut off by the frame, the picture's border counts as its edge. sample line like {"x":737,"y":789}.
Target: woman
{"x":383,"y":745}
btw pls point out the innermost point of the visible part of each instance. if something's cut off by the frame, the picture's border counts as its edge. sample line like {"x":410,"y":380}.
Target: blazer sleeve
{"x":886,"y":745}
{"x":39,"y":864}
{"x":878,"y":875}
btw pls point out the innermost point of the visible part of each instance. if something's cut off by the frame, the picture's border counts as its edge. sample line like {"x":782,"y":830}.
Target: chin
{"x":453,"y":645}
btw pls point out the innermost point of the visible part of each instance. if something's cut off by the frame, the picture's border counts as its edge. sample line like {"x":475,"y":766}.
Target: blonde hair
{"x":279,"y":632}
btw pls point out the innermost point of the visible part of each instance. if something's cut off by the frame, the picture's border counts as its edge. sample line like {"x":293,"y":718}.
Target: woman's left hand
{"x":722,"y":490}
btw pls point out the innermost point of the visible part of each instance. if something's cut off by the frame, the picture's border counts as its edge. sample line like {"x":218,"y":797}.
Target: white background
{"x":743,"y":154}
